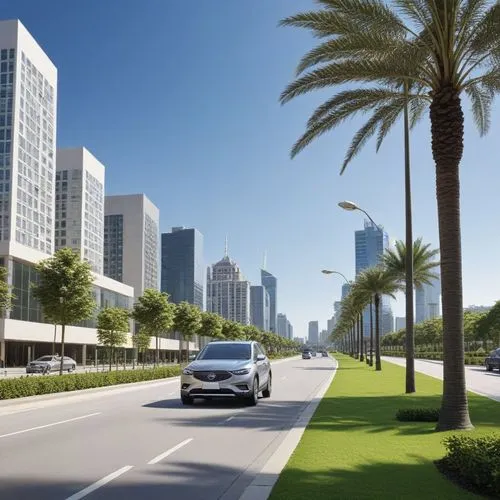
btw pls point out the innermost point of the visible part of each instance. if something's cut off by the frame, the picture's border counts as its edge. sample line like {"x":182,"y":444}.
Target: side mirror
{"x":261,"y":357}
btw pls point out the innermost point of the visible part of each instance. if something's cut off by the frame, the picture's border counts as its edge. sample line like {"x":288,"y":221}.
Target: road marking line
{"x":230,"y":418}
{"x":14,"y":412}
{"x":172,"y":393}
{"x":98,"y":484}
{"x":49,"y":425}
{"x":161,"y":456}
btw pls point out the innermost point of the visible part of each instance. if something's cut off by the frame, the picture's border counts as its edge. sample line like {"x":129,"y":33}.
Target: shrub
{"x":418,"y":415}
{"x":474,"y":462}
{"x":35,"y":386}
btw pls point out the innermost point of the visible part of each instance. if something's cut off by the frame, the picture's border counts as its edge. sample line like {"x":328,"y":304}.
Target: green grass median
{"x":354,"y":448}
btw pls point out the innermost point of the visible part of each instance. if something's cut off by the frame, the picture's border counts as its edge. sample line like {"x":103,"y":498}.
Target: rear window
{"x":226,"y":351}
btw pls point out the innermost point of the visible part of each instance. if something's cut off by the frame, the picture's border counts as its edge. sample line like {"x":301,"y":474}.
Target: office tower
{"x":271,"y":284}
{"x":346,"y":288}
{"x":259,"y":307}
{"x":131,"y":241}
{"x":400,"y":323}
{"x":228,"y":293}
{"x":282,"y":325}
{"x":428,"y":300}
{"x":289,"y":330}
{"x":330,"y":325}
{"x":182,"y":266}
{"x":323,"y":337}
{"x":313,"y":332}
{"x":370,"y":244}
{"x":80,"y":205}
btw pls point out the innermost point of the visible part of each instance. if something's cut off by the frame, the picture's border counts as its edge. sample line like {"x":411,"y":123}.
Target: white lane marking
{"x":14,"y":412}
{"x":98,"y":484}
{"x":230,"y":418}
{"x":172,"y":393}
{"x":49,"y":425}
{"x":165,"y":454}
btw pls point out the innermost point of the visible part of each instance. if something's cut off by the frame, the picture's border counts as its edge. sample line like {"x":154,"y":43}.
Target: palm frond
{"x":481,"y":99}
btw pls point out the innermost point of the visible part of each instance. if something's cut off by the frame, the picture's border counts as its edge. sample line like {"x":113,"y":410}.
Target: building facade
{"x":259,"y":307}
{"x":313,"y":333}
{"x":400,"y":323}
{"x":182,"y":266}
{"x":228,"y":293}
{"x":271,"y":284}
{"x":282,"y":325}
{"x":80,"y":205}
{"x":289,"y":329}
{"x":131,"y":241}
{"x":428,"y":301}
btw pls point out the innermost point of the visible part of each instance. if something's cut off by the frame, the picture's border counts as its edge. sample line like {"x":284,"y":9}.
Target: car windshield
{"x":226,"y":351}
{"x":44,"y":358}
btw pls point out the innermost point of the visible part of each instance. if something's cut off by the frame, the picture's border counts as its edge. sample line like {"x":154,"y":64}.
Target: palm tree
{"x":376,"y":282}
{"x":423,"y":262}
{"x":442,"y":49}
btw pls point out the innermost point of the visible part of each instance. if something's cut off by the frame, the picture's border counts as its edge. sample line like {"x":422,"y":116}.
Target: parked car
{"x":47,"y":364}
{"x":306,"y":355}
{"x":228,"y":370}
{"x":493,"y":360}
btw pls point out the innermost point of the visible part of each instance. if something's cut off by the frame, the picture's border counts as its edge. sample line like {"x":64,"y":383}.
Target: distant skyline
{"x":181,"y":103}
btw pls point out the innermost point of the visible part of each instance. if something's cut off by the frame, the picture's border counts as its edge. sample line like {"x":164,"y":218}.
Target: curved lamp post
{"x":327,"y":271}
{"x":350,"y":206}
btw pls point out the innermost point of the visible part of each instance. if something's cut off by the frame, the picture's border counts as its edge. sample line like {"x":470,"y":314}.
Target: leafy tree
{"x":232,"y":330}
{"x":376,"y":282}
{"x":141,"y":341}
{"x":187,"y":321}
{"x":112,"y":328}
{"x":6,"y":296}
{"x":423,"y":263}
{"x":438,"y":51}
{"x":64,"y":290}
{"x":489,"y":325}
{"x":155,"y":314}
{"x":251,"y":332}
{"x":211,"y":325}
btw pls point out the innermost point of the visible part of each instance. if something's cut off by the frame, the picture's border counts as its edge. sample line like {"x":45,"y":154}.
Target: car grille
{"x":219,"y":376}
{"x":201,"y":392}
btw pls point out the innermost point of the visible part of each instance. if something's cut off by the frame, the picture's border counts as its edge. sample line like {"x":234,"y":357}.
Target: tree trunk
{"x":362,"y":337}
{"x":157,"y":351}
{"x":378,"y":363}
{"x":371,"y":332}
{"x":110,"y":358}
{"x":447,"y":128}
{"x":63,"y":331}
{"x":410,"y":340}
{"x":358,"y":339}
{"x":54,"y":341}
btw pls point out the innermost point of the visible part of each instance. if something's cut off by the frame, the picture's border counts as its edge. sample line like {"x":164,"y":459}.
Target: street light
{"x":327,"y":271}
{"x":350,"y":206}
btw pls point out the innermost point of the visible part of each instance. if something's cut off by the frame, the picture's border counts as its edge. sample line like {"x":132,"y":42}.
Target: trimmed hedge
{"x":470,"y":358}
{"x":474,"y":462}
{"x":35,"y":386}
{"x":418,"y":415}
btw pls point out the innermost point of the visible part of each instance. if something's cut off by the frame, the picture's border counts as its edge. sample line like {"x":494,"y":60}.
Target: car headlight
{"x":187,"y":371}
{"x":243,"y":371}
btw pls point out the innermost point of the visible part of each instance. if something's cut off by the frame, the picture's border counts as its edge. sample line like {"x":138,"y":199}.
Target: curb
{"x":261,"y":486}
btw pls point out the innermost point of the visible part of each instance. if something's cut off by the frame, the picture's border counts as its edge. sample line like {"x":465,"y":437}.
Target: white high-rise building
{"x":131,"y":241}
{"x":400,"y":323}
{"x":80,"y":205}
{"x":282,"y":325}
{"x":228,"y":293}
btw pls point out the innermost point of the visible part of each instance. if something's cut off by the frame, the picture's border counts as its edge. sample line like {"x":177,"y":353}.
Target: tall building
{"x":330,"y":325}
{"x":370,"y":244}
{"x":323,"y":337}
{"x":228,"y":293}
{"x":282,"y":325}
{"x":313,"y":332}
{"x":346,"y":288}
{"x":80,"y":205}
{"x":259,"y":307}
{"x":289,"y":330}
{"x":428,"y":301}
{"x":400,"y":323}
{"x":182,"y":266}
{"x":131,"y":241}
{"x":271,"y":284}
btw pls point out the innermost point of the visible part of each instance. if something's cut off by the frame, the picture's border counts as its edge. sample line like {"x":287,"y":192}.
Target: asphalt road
{"x":478,"y":379}
{"x":140,"y":442}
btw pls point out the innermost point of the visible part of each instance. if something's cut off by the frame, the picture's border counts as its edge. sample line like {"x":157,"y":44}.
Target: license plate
{"x":211,"y":386}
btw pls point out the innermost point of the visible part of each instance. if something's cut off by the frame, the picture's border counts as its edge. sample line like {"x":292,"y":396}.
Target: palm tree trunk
{"x":63,"y":331}
{"x":157,"y":351}
{"x":378,"y":364}
{"x":371,"y":332}
{"x":358,"y":353}
{"x":110,"y":358}
{"x":54,"y":341}
{"x":447,"y":122}
{"x":362,"y":337}
{"x":410,"y":340}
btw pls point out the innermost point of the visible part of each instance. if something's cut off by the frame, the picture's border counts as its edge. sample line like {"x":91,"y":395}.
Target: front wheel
{"x":71,"y":369}
{"x":489,"y":368}
{"x":187,"y":401}
{"x":253,"y":399}
{"x":266,"y":393}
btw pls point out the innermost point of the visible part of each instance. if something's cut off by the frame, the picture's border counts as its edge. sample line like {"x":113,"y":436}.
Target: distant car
{"x":324,"y":354}
{"x":313,"y":353}
{"x":47,"y":364}
{"x":493,"y":360}
{"x":227,"y":369}
{"x":306,"y":355}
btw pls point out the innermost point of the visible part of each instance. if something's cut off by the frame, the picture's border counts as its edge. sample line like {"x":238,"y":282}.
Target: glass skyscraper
{"x":271,"y":285}
{"x":259,"y":307}
{"x":182,"y":266}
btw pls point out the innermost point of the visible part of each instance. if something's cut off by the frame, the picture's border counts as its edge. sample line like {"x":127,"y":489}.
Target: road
{"x":140,"y":442}
{"x":478,"y":379}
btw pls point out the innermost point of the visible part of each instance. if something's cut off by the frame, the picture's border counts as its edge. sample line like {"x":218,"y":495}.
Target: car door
{"x":263,"y":366}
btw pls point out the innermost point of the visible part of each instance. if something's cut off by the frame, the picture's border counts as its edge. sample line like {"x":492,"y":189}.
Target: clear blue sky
{"x":180,"y":101}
